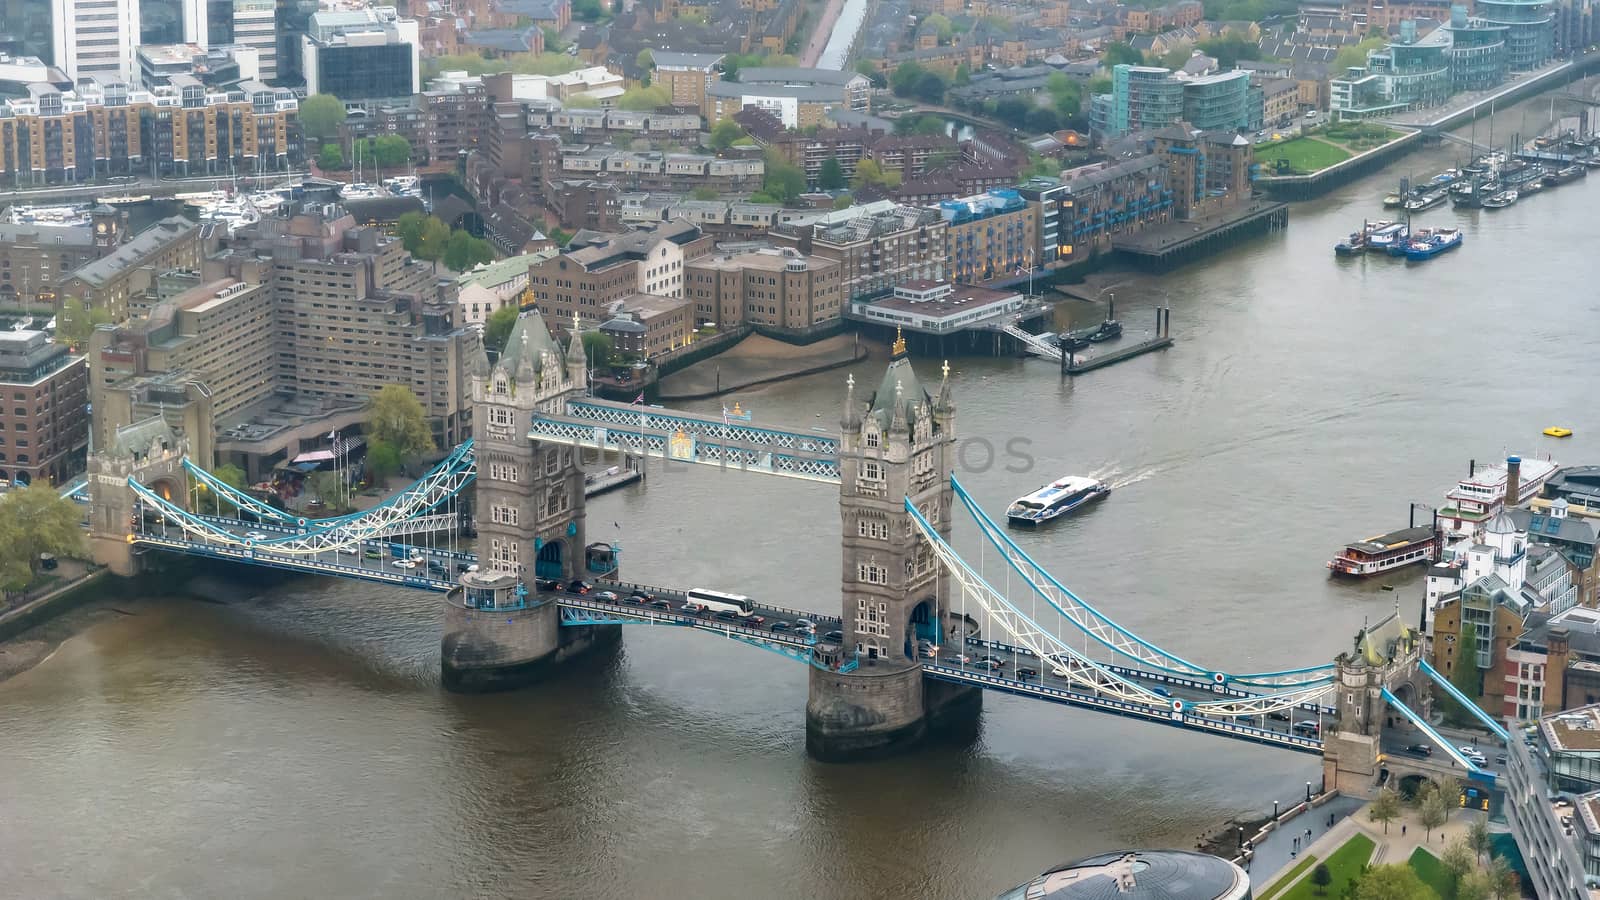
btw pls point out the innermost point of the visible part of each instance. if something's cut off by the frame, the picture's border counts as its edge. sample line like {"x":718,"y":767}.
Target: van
{"x":1311,"y":114}
{"x":1307,"y":727}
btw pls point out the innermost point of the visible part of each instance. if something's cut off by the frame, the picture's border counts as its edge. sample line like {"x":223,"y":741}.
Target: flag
{"x":617,"y":524}
{"x":640,"y":398}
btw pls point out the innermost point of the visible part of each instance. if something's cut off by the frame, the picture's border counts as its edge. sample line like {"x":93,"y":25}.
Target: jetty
{"x":1072,"y":364}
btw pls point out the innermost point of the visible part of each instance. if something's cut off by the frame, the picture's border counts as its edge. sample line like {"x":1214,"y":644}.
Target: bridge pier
{"x":487,"y":647}
{"x":880,"y":710}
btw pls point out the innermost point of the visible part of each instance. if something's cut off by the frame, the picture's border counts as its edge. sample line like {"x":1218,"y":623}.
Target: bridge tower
{"x":898,"y":444}
{"x":499,"y":631}
{"x":1385,"y":656}
{"x":152,"y":454}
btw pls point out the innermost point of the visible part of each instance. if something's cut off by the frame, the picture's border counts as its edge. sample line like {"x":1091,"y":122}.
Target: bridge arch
{"x":550,"y":561}
{"x":168,"y":490}
{"x":922,"y":625}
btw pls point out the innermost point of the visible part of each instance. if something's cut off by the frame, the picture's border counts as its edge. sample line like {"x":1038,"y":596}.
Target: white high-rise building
{"x":255,"y":25}
{"x":100,"y":37}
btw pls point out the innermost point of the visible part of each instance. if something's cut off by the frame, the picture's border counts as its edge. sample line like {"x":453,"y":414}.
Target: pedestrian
{"x":1402,"y":830}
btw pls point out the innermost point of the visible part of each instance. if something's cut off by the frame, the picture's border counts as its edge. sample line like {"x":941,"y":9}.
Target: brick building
{"x":44,"y":421}
{"x":779,"y":289}
{"x":596,"y":270}
{"x":878,"y":245}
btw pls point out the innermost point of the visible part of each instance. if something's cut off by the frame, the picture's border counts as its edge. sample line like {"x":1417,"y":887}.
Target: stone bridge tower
{"x":500,"y":631}
{"x":152,"y":453}
{"x":898,"y":444}
{"x":1385,"y":656}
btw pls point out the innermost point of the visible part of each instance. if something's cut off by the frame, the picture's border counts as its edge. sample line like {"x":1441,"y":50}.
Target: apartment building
{"x":1552,"y":802}
{"x":184,"y":128}
{"x":686,"y":76}
{"x":44,"y":394}
{"x":118,"y":281}
{"x":599,"y":269}
{"x":989,"y":236}
{"x":1205,"y":169}
{"x":799,"y":98}
{"x":1079,"y":214}
{"x":38,"y":252}
{"x":646,"y":326}
{"x":777,"y":289}
{"x":662,"y":171}
{"x":878,"y":245}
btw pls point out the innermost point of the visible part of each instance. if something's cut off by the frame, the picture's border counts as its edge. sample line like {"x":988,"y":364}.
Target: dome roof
{"x":1140,"y":875}
{"x":1501,"y":524}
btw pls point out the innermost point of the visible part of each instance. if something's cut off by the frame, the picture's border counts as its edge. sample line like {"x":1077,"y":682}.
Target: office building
{"x":118,"y":281}
{"x":1410,"y":72}
{"x":644,"y":326}
{"x":989,"y":236}
{"x":184,"y":128}
{"x":44,"y":394}
{"x":596,"y":270}
{"x":99,"y":38}
{"x":255,"y":27}
{"x":878,"y":245}
{"x":1530,"y":30}
{"x":218,"y":68}
{"x":1552,"y":802}
{"x":27,"y":30}
{"x":361,"y":54}
{"x":777,"y":289}
{"x":800,"y":98}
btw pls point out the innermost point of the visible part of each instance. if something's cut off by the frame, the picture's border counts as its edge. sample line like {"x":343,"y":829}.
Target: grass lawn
{"x":1344,"y":864}
{"x":1305,"y":863}
{"x":1304,"y":155}
{"x":1432,"y":873}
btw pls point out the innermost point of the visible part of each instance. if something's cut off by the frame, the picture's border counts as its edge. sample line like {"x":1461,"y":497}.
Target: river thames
{"x":294,"y":741}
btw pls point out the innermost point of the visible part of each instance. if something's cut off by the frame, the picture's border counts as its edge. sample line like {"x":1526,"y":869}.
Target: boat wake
{"x":1113,"y":477}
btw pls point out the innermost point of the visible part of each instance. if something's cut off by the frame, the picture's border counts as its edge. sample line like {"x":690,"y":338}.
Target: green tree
{"x":383,"y":460}
{"x":76,"y":321}
{"x":1457,"y":860}
{"x":1504,"y":882}
{"x":587,"y":10}
{"x":870,"y":69}
{"x":582,"y":101}
{"x":1433,"y":810}
{"x":1392,"y":882}
{"x":559,"y":237}
{"x":1355,"y":55}
{"x":905,"y":78}
{"x":471,"y":63}
{"x":963,"y":75}
{"x":831,"y":176}
{"x":1177,"y":56}
{"x":548,"y":63}
{"x":435,"y":238}
{"x":724,"y":133}
{"x":553,"y":44}
{"x":930,"y":87}
{"x":497,"y":328}
{"x":1385,"y":808}
{"x":230,"y":475}
{"x":1479,"y":840}
{"x":1013,"y":112}
{"x":645,"y":98}
{"x":326,"y":486}
{"x":331,"y":156}
{"x":463,"y":251}
{"x":1118,"y":53}
{"x":783,"y":180}
{"x":597,"y":347}
{"x":940,"y":23}
{"x":704,"y":193}
{"x":868,"y":172}
{"x":1229,"y":50}
{"x":1043,"y":119}
{"x":1099,"y":85}
{"x":1321,"y":877}
{"x":409,"y":229}
{"x":320,"y":116}
{"x":645,"y":60}
{"x":33,"y":520}
{"x":843,"y":201}
{"x":395,"y":416}
{"x":1474,"y":885}
{"x":1450,"y":791}
{"x":391,"y":150}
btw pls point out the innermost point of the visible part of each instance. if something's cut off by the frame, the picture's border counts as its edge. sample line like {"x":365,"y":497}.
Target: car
{"x":728,"y":614}
{"x":1500,"y":760}
{"x":404,"y":564}
{"x":1279,"y":715}
{"x":833,"y":636}
{"x":255,"y":536}
{"x":645,"y":596}
{"x":1420,"y":749}
{"x":1474,"y":756}
{"x":543,"y":584}
{"x":1160,"y":691}
{"x":928,"y":652}
{"x":960,"y":659}
{"x":1306,"y":726}
{"x":437,"y":568}
{"x":348,"y":551}
{"x":461,"y":568}
{"x":993,"y":659}
{"x":805,"y":623}
{"x":779,"y":625}
{"x":987,"y":665}
{"x":658,"y":603}
{"x":694,"y":609}
{"x":1027,"y":672}
{"x":372,"y":554}
{"x":606,"y":596}
{"x":579,"y":587}
{"x":754,"y":621}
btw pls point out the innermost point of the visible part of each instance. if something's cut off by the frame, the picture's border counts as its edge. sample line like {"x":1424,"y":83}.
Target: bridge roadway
{"x":1017,"y":673}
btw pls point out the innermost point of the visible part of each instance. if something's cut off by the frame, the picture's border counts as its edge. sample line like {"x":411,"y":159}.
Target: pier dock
{"x":1072,"y":365}
{"x":1175,"y":243}
{"x":598,"y":483}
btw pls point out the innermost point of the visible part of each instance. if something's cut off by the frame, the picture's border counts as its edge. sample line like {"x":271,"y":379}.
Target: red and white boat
{"x":1387,"y":551}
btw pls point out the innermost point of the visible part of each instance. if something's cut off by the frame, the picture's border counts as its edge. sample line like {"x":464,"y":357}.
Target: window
{"x":870,"y":573}
{"x":503,"y":515}
{"x":499,"y":415}
{"x":873,"y":440}
{"x":552,"y":462}
{"x":871,"y":470}
{"x":872,"y":528}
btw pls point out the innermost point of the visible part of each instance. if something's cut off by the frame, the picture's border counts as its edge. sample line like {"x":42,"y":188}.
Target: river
{"x":293,"y":741}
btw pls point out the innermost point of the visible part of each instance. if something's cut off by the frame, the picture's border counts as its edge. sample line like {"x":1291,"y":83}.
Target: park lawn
{"x":1305,"y":863}
{"x":1304,"y":155}
{"x":1430,"y":870}
{"x":1344,"y":865}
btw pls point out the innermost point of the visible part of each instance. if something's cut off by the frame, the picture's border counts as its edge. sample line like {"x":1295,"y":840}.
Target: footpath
{"x":1405,"y":834}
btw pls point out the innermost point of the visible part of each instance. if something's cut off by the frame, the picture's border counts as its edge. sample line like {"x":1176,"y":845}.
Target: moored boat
{"x":1565,"y":175}
{"x":1392,"y":200}
{"x":1389,"y":236}
{"x":1056,"y":499}
{"x":1439,"y":241}
{"x":1355,"y":244}
{"x":1387,"y":551}
{"x":1426,"y":200}
{"x":1500,"y":200}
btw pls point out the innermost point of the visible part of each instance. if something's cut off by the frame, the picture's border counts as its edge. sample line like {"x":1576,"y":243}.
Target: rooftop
{"x":1576,"y":729}
{"x":961,"y":298}
{"x":1140,"y":875}
{"x":146,"y":242}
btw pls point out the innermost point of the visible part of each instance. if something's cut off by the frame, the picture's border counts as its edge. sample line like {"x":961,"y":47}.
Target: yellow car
{"x":1557,"y":431}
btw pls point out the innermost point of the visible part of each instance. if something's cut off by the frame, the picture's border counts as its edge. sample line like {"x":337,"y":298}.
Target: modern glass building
{"x":1530,"y":30}
{"x":1143,"y":97}
{"x":1477,"y":52}
{"x":25,"y":29}
{"x":1147,"y":98}
{"x":1408,"y":73}
{"x":1216,"y":102}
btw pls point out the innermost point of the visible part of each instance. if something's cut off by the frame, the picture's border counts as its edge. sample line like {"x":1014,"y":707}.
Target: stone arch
{"x":1407,"y":694}
{"x":551,"y":560}
{"x":167,"y":490}
{"x":922,"y":625}
{"x":22,"y":478}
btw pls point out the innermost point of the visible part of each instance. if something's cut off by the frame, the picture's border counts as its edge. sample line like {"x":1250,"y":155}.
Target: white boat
{"x":57,"y":216}
{"x":361,"y":191}
{"x":125,"y":200}
{"x":234,"y":212}
{"x":404,"y":185}
{"x":200,"y":198}
{"x":1476,"y":498}
{"x":1056,"y":499}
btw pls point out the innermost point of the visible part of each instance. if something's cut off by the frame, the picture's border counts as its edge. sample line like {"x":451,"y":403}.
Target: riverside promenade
{"x":1272,"y":858}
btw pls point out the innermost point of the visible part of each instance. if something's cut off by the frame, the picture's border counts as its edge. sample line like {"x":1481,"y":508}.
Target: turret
{"x":850,"y":419}
{"x":577,"y":359}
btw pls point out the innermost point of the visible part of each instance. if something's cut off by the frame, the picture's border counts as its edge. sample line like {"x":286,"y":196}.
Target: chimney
{"x":1513,"y":480}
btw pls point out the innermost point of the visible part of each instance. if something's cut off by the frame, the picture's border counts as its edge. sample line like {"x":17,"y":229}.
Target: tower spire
{"x":899,"y":348}
{"x":852,"y":414}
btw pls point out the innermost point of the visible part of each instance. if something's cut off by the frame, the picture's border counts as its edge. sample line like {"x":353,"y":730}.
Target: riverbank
{"x":759,"y":360}
{"x":31,"y":631}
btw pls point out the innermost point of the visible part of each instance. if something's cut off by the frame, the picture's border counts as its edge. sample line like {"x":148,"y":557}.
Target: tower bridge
{"x":895,"y":662}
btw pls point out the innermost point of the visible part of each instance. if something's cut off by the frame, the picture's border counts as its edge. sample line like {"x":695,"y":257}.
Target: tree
{"x":395,"y":416}
{"x":1457,"y":860}
{"x":1392,"y":882}
{"x":645,"y":98}
{"x":1118,"y":53}
{"x":724,"y":133}
{"x":843,"y":201}
{"x":704,"y":193}
{"x":905,"y":78}
{"x":75,"y":322}
{"x":1450,"y":792}
{"x":1099,"y":85}
{"x":963,"y":75}
{"x":1177,"y":56}
{"x":326,"y":486}
{"x":1229,"y":50}
{"x":553,"y":44}
{"x":1321,"y":877}
{"x":597,"y":347}
{"x":497,"y":328}
{"x":435,"y":238}
{"x":784,"y":181}
{"x":1385,"y":808}
{"x":559,"y":237}
{"x":1013,"y":112}
{"x":930,"y":87}
{"x":33,"y":520}
{"x":1355,"y":55}
{"x":320,"y":116}
{"x":1479,"y":840}
{"x":867,"y":172}
{"x":645,"y":60}
{"x":582,"y":101}
{"x":940,"y":23}
{"x":1433,"y":811}
{"x":331,"y":156}
{"x":587,"y":10}
{"x":831,"y":176}
{"x":1042,"y":119}
{"x":383,"y":460}
{"x":547,"y":63}
{"x":1474,"y":885}
{"x":230,"y":475}
{"x":1504,"y":882}
{"x":391,"y":150}
{"x":463,"y":251}
{"x":870,"y":69}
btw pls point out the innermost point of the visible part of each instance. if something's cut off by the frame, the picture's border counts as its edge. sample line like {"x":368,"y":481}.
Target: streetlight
{"x":1308,"y":792}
